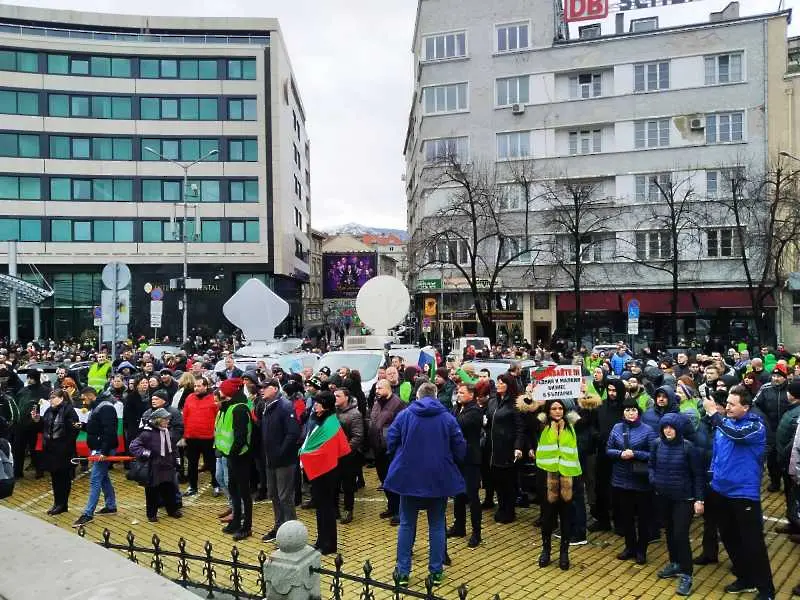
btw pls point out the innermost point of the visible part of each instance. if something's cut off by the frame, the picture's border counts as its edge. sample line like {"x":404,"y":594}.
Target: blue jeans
{"x":99,"y":480}
{"x":578,"y":509}
{"x":407,"y":533}
{"x":221,"y":474}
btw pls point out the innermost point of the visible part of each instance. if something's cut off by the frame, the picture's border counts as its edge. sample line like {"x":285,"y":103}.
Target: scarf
{"x":166,"y":443}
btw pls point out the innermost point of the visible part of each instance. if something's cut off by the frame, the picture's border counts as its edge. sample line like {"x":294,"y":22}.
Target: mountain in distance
{"x":358,"y":230}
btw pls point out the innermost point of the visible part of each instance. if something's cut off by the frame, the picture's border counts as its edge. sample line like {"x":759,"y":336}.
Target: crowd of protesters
{"x":648,"y":444}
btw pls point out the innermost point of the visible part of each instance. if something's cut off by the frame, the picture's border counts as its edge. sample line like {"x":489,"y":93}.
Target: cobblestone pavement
{"x":504,"y":563}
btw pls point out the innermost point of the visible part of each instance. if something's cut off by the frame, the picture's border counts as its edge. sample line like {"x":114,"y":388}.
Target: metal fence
{"x":212,"y":576}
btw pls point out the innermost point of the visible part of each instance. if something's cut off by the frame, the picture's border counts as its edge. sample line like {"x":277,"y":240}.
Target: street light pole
{"x":184,"y":235}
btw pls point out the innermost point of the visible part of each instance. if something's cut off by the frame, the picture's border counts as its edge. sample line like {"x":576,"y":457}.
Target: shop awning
{"x":658,"y":301}
{"x":712,"y":299}
{"x":590,"y":301}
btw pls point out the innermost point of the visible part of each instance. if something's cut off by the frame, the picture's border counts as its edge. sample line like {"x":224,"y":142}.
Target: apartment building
{"x":95,"y":112}
{"x":630,"y":110}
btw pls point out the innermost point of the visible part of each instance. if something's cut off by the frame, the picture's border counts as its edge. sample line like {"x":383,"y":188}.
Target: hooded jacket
{"x":773,"y":401}
{"x":470,"y":419}
{"x":653,"y":415}
{"x":384,"y":412}
{"x":641,"y":436}
{"x":280,"y":433}
{"x":506,"y":431}
{"x":427,"y":443}
{"x":738,"y":460}
{"x":676,"y":467}
{"x":199,"y":416}
{"x":609,"y":413}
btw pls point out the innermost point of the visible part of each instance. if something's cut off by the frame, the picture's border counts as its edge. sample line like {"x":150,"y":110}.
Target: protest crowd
{"x":640,"y":447}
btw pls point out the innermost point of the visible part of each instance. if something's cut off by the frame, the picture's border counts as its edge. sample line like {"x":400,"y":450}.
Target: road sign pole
{"x":114,"y":317}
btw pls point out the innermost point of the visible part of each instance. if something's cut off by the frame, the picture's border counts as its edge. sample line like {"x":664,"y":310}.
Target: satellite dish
{"x":382,"y":303}
{"x":256,"y":310}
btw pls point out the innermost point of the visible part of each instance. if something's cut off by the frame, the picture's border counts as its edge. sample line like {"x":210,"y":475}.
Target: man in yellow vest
{"x":98,"y":372}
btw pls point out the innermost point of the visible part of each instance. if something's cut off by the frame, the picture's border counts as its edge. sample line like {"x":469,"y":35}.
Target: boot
{"x":544,"y":557}
{"x":563,"y":554}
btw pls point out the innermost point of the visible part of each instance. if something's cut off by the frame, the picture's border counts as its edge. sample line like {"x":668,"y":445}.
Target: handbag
{"x":140,"y":471}
{"x":638,"y":467}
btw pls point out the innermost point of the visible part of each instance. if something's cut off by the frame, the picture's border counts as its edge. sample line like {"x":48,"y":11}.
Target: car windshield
{"x":366,"y":364}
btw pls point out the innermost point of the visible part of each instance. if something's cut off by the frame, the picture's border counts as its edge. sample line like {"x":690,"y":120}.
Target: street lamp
{"x":185,"y":167}
{"x":787,"y":155}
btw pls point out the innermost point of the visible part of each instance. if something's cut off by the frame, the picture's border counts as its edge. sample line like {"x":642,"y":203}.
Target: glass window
{"x":81,"y":189}
{"x":9,"y":229}
{"x":251,"y":231}
{"x":211,"y":231}
{"x":8,"y":103}
{"x":9,"y":188}
{"x":102,"y":149}
{"x":249,"y":109}
{"x":190,"y":149}
{"x":30,"y":230}
{"x":148,"y":68}
{"x":82,"y":231}
{"x":208,"y":109}
{"x":8,"y":144}
{"x":172,"y":191}
{"x":151,"y":231}
{"x":151,"y":190}
{"x":169,"y":108}
{"x":28,"y":103}
{"x":249,"y":69}
{"x":29,"y":146}
{"x":30,"y":188}
{"x":251,"y":191}
{"x":101,"y":66}
{"x":123,"y":148}
{"x":152,"y":144}
{"x":169,"y":69}
{"x":120,"y":108}
{"x":123,"y":190}
{"x":58,"y":64}
{"x":234,"y":69}
{"x":189,"y":69}
{"x":60,"y":146}
{"x":207,"y":146}
{"x":61,"y":230}
{"x":123,"y":231}
{"x":120,"y":67}
{"x":190,"y":109}
{"x":79,"y":106}
{"x":209,"y":190}
{"x":60,"y":188}
{"x":207,"y":69}
{"x":171,"y":149}
{"x":102,"y":190}
{"x":101,"y":107}
{"x":8,"y":60}
{"x":58,"y":105}
{"x":27,"y":62}
{"x":237,"y":231}
{"x":235,"y":110}
{"x":103,"y":231}
{"x":150,"y":108}
{"x":79,"y":66}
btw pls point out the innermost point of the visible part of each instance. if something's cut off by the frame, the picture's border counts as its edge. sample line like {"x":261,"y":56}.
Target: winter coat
{"x":427,"y":443}
{"x":773,"y":401}
{"x":280,"y":433}
{"x":199,"y":415}
{"x":384,"y":412}
{"x":738,"y":461}
{"x":641,"y":437}
{"x":784,"y":437}
{"x":58,"y":437}
{"x":101,"y":428}
{"x":27,"y":398}
{"x":353,"y":425}
{"x":175,"y":422}
{"x":470,"y":419}
{"x":676,"y":467}
{"x":618,"y":362}
{"x":609,"y":413}
{"x":506,"y":431}
{"x":150,"y":445}
{"x":653,"y":416}
{"x":132,"y":412}
{"x":445,"y":394}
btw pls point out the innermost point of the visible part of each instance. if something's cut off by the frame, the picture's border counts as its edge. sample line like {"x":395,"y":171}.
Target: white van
{"x":460,"y":344}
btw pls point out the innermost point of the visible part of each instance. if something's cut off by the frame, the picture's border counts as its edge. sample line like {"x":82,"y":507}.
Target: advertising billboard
{"x":343,"y":274}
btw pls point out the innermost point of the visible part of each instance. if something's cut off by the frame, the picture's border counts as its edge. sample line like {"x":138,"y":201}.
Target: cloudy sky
{"x":352,"y":60}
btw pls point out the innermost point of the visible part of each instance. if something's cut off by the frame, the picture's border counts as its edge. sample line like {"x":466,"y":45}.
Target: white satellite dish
{"x":256,"y":310}
{"x":382,"y":303}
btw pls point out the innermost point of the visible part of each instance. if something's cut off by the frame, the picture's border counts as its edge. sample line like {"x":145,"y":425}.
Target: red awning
{"x":711,"y":299}
{"x":658,"y":301}
{"x":590,"y":301}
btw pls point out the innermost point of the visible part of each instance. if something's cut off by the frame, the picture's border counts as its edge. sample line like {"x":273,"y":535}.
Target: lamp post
{"x":184,"y":235}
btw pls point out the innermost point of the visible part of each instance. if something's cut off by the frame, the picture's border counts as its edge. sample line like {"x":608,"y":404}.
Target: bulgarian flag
{"x":323,"y":448}
{"x":81,"y":448}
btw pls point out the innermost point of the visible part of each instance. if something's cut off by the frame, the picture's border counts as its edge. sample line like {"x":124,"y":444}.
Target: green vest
{"x":98,"y":376}
{"x":558,"y":454}
{"x":223,"y":431}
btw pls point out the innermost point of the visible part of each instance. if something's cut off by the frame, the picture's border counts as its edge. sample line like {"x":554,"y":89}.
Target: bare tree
{"x":667,"y":233}
{"x":478,"y":230}
{"x":579,"y":221}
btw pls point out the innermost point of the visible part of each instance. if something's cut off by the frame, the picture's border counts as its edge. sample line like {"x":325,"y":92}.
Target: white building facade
{"x":92,"y":109}
{"x":499,"y":84}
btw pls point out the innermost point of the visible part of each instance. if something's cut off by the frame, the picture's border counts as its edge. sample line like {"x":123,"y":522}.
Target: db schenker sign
{"x":585,"y":10}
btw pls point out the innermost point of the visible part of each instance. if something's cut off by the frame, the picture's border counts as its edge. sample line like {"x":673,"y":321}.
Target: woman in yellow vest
{"x":557,"y":456}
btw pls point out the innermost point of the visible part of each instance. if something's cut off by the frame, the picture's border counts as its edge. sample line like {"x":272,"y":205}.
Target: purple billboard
{"x":343,"y":274}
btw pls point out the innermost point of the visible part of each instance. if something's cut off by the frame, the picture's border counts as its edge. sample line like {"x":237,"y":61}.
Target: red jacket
{"x":199,"y":414}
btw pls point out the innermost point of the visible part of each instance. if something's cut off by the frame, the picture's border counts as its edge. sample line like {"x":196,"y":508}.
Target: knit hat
{"x":291,"y":388}
{"x":271,"y":382}
{"x":229,"y":387}
{"x":159,"y":413}
{"x":327,"y":400}
{"x":315,"y":383}
{"x":629,"y":403}
{"x":163,"y":394}
{"x":794,"y":389}
{"x":35,"y":375}
{"x":326,"y":370}
{"x":250,"y":375}
{"x":780,"y":369}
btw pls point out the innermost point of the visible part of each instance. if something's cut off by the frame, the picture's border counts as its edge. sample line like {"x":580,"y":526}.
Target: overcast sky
{"x":352,"y":61}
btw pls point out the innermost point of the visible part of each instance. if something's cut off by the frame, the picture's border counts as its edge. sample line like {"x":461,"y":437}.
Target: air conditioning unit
{"x":518,"y":108}
{"x":697,"y":123}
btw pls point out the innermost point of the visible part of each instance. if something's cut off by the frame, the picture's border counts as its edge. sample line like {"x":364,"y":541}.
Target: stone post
{"x":287,"y":572}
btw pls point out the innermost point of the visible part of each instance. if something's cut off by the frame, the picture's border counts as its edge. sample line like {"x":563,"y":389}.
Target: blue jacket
{"x":653,"y":416}
{"x":738,"y":458}
{"x":676,"y":467}
{"x":618,"y":362}
{"x":641,"y":437}
{"x":427,"y":443}
{"x":280,"y":433}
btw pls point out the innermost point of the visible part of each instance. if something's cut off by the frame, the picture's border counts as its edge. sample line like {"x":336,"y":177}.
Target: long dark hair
{"x":511,"y":383}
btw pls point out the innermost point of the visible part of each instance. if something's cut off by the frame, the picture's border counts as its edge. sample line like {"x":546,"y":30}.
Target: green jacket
{"x":592,"y":363}
{"x":592,"y":391}
{"x":784,"y":437}
{"x":445,"y":394}
{"x":643,"y":400}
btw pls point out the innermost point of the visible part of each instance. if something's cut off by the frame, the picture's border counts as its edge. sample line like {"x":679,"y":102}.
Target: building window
{"x":21,"y":230}
{"x":445,"y":45}
{"x":647,"y":186}
{"x":795,"y":308}
{"x":646,"y":24}
{"x":595,"y":247}
{"x":19,"y":103}
{"x":298,"y":219}
{"x":512,"y":37}
{"x":723,"y":68}
{"x":444,"y":98}
{"x":649,"y":77}
{"x":653,"y":245}
{"x":513,"y":90}
{"x":180,"y":149}
{"x":23,"y":62}
{"x":158,"y":190}
{"x":453,"y":252}
{"x":184,"y":109}
{"x":585,"y":141}
{"x":244,"y":191}
{"x":447,"y":149}
{"x":97,"y":66}
{"x":242,"y":68}
{"x":651,"y":134}
{"x":98,"y":148}
{"x":243,"y":150}
{"x":724,"y":128}
{"x":512,"y":249}
{"x":69,"y":230}
{"x":541,"y":301}
{"x":99,"y":190}
{"x":18,"y":145}
{"x":242,"y":109}
{"x":585,"y":85}
{"x":298,"y":188}
{"x":296,"y":155}
{"x":723,"y":243}
{"x":244,"y":231}
{"x":95,"y":107}
{"x":516,"y":144}
{"x":511,"y":197}
{"x":722,"y":181}
{"x":20,"y":188}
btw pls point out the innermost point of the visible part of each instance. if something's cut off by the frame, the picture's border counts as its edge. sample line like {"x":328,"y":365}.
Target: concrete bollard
{"x":287,"y":573}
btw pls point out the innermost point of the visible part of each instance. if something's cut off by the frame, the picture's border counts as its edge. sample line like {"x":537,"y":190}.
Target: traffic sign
{"x":148,"y":287}
{"x":116,"y":276}
{"x":97,"y":313}
{"x":157,"y":294}
{"x":426,"y":325}
{"x":633,"y":326}
{"x":633,"y":309}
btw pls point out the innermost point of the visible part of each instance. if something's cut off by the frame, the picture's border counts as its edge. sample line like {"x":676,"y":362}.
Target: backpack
{"x":6,"y":469}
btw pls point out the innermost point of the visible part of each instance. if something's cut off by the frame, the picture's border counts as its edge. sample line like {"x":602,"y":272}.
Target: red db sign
{"x":585,"y":10}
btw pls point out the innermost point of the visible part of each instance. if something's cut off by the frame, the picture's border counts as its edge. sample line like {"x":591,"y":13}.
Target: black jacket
{"x":609,"y":413}
{"x":773,"y":401}
{"x":101,"y":428}
{"x":241,"y":425}
{"x":506,"y":431}
{"x":470,"y":419}
{"x":280,"y":433}
{"x":58,"y":436}
{"x":132,"y":412}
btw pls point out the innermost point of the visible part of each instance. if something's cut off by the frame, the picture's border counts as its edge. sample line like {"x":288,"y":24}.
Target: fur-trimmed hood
{"x":571,"y":418}
{"x":526,"y":404}
{"x":590,"y":402}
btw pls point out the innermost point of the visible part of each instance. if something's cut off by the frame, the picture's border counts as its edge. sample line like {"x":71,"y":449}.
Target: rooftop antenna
{"x":256,"y":310}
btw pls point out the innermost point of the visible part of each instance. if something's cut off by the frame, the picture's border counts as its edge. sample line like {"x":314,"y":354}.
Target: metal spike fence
{"x":245,"y":581}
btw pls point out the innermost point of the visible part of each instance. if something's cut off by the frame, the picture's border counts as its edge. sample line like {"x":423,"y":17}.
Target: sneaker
{"x":739,"y":587}
{"x":395,"y":521}
{"x":269,"y":536}
{"x":107,"y":511}
{"x":83,"y":520}
{"x":401,"y":579}
{"x":671,"y":570}
{"x":474,"y":541}
{"x":190,"y":492}
{"x":387,"y":514}
{"x":576,"y":541}
{"x":684,"y":585}
{"x":437,"y":578}
{"x":764,"y":596}
{"x":242,"y":534}
{"x":216,"y":492}
{"x":774,"y":486}
{"x":347,"y":517}
{"x":230,"y":528}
